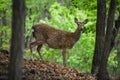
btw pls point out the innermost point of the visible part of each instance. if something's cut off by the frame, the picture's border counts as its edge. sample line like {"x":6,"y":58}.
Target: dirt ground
{"x":42,"y":70}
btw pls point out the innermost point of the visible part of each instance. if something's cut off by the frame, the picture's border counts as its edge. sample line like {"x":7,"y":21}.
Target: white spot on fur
{"x":32,"y":30}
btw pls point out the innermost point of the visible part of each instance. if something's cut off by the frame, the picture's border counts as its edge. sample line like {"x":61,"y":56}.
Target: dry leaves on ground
{"x":42,"y":70}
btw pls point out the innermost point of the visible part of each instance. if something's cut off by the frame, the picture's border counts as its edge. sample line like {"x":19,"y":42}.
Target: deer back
{"x":54,"y":38}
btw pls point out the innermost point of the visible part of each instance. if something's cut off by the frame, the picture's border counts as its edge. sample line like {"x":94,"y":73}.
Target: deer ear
{"x":76,"y":20}
{"x":85,"y":21}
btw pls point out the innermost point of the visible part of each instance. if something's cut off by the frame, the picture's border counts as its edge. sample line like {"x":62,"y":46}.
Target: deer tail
{"x":33,"y":31}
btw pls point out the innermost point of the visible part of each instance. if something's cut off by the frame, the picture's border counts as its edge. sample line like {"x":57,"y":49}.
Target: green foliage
{"x":62,"y":17}
{"x":85,"y":4}
{"x":82,"y":53}
{"x":112,"y":68}
{"x":4,"y":4}
{"x":111,"y":60}
{"x":5,"y":33}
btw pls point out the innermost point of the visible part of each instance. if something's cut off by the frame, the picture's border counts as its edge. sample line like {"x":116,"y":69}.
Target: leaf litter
{"x":42,"y":70}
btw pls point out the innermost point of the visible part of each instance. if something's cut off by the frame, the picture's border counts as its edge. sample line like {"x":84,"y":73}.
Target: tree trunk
{"x":100,"y":33}
{"x":102,"y":73}
{"x":17,"y":41}
{"x":105,"y":37}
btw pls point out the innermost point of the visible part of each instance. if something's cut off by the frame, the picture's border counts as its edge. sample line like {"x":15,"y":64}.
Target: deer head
{"x":80,"y":24}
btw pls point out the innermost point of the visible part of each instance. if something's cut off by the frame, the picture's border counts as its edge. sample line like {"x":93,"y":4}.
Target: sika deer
{"x":54,"y":38}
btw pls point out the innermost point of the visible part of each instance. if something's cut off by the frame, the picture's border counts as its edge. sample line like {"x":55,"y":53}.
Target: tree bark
{"x":17,"y":41}
{"x":100,"y":34}
{"x":105,"y":37}
{"x":102,"y":73}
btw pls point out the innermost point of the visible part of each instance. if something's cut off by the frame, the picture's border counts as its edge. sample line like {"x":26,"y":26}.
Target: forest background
{"x":60,"y":14}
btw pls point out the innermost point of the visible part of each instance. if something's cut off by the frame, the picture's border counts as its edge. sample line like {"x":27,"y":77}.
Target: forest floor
{"x":42,"y":70}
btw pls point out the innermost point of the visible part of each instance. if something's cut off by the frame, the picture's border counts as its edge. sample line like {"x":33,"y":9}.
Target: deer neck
{"x":77,"y":34}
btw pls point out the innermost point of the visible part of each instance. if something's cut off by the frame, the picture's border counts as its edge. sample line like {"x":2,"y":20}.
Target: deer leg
{"x":64,"y":56}
{"x":33,"y":44}
{"x":38,"y":50}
